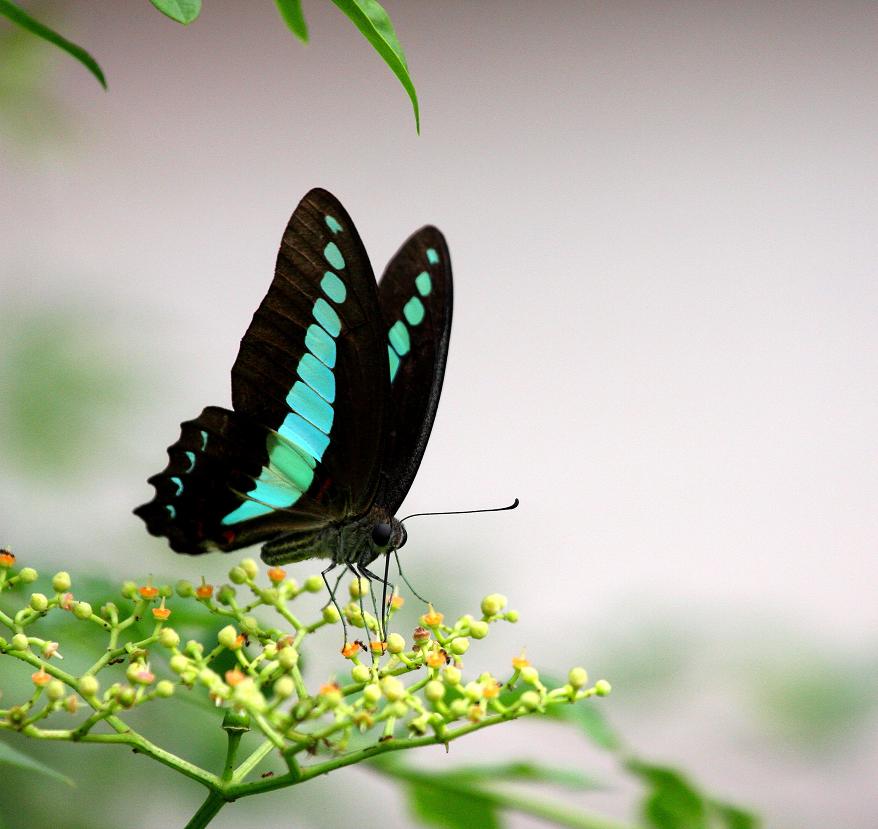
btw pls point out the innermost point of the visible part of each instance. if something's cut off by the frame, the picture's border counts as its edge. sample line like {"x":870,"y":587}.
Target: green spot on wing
{"x":414,"y":311}
{"x":394,"y":362}
{"x":432,"y":256}
{"x":399,"y":338}
{"x":333,"y":255}
{"x":332,"y":224}
{"x":333,"y":287}
{"x":423,"y":283}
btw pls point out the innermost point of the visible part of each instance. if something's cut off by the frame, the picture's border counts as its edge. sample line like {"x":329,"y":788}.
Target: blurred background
{"x":662,"y":224}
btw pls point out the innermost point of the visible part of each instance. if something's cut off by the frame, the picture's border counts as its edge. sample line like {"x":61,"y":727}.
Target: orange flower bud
{"x":7,"y":558}
{"x":378,"y":647}
{"x":396,"y":601}
{"x":235,"y":676}
{"x":432,"y":618}
{"x":491,"y":690}
{"x":204,"y":590}
{"x":436,"y":659}
{"x":41,"y":678}
{"x":350,"y":649}
{"x":519,"y":662}
{"x":276,"y":574}
{"x":148,"y":591}
{"x":328,"y":688}
{"x":161,"y":613}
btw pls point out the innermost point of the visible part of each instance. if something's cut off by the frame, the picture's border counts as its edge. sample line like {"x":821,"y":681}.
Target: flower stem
{"x":208,"y":811}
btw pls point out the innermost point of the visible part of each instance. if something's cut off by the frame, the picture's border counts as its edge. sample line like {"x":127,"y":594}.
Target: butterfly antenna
{"x":513,"y":505}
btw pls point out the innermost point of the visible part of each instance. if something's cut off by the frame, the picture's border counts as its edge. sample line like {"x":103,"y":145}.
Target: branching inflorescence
{"x":405,"y":693}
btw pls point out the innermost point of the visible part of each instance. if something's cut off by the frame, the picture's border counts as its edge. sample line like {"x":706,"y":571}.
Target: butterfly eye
{"x":381,"y":534}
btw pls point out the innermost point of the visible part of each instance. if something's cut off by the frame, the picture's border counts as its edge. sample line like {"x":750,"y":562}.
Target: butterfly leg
{"x":383,"y":616}
{"x":408,"y":583}
{"x":332,"y":599}
{"x":359,"y":575}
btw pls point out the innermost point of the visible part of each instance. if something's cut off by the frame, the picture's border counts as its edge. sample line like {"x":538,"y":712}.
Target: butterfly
{"x":334,"y":393}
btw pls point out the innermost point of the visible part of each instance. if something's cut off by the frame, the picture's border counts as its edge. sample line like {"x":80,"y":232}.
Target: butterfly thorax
{"x":351,"y":541}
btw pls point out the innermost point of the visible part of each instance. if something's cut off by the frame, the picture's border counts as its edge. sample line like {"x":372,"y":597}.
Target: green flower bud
{"x":478,"y":629}
{"x":530,"y":700}
{"x":129,"y":590}
{"x":208,"y":677}
{"x":360,"y":673}
{"x":392,"y":688}
{"x":530,"y":675}
{"x":61,"y":582}
{"x":313,"y":584}
{"x":139,"y":674}
{"x":165,"y":591}
{"x":602,"y":687}
{"x":511,"y":616}
{"x":228,"y":638}
{"x":459,"y":708}
{"x":194,"y":648}
{"x":493,"y":604}
{"x":459,"y":645}
{"x":19,"y":642}
{"x":434,"y":690}
{"x":354,"y":615}
{"x":330,"y":614}
{"x":270,"y":650}
{"x":185,"y":589}
{"x":89,"y":685}
{"x":452,"y":675}
{"x":473,"y":691}
{"x":27,"y":575}
{"x":164,"y":689}
{"x":127,"y":696}
{"x":358,"y":587}
{"x":284,"y":687}
{"x":237,"y":575}
{"x":169,"y":638}
{"x":226,"y":594}
{"x":395,"y":643}
{"x":398,"y":709}
{"x":179,"y":663}
{"x":38,"y":602}
{"x":577,"y":677}
{"x":288,"y":658}
{"x":55,"y":690}
{"x":82,"y":610}
{"x":250,"y":624}
{"x":420,"y":724}
{"x":371,"y":694}
{"x":250,"y":567}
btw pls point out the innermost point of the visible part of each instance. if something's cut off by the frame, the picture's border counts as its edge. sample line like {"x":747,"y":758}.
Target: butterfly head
{"x":388,"y":535}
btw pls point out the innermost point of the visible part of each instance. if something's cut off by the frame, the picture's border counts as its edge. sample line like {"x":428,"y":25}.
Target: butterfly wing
{"x":416,"y":296}
{"x":309,"y":390}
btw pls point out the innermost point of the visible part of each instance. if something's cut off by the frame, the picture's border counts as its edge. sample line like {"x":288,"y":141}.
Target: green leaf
{"x":13,"y":757}
{"x":18,"y":15}
{"x":521,"y":771}
{"x":464,"y":809}
{"x":734,"y":818}
{"x":183,"y":11}
{"x":672,"y":802}
{"x":371,"y":19}
{"x":291,"y":12}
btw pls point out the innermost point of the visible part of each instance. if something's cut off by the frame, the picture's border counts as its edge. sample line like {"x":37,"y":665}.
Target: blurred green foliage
{"x":368,"y":16}
{"x":62,"y":383}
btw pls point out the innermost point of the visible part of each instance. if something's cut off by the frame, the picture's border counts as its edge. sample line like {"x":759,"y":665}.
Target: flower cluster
{"x":400,"y":687}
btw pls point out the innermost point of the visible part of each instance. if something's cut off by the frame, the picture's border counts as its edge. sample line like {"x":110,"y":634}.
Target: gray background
{"x":662,"y":224}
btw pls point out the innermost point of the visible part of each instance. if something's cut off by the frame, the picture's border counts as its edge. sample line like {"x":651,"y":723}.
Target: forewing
{"x":416,"y":300}
{"x":309,"y":389}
